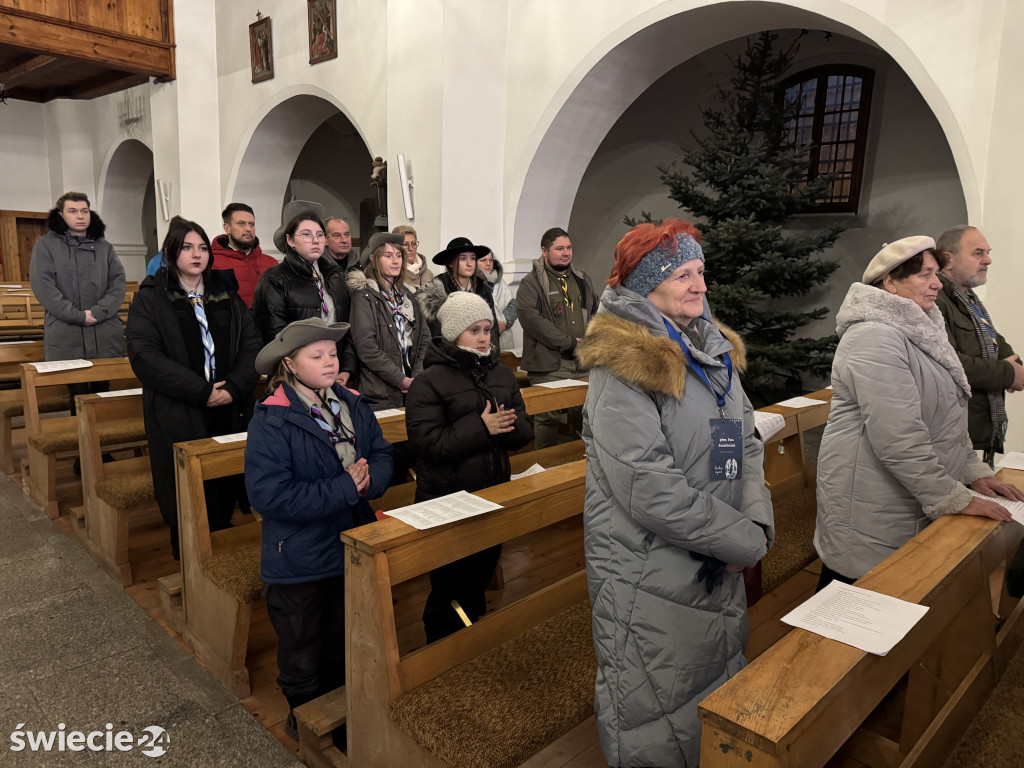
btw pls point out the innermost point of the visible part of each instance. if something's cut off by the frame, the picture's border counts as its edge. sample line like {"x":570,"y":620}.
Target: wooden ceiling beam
{"x":56,"y":37}
{"x":110,"y":82}
{"x":31,"y":67}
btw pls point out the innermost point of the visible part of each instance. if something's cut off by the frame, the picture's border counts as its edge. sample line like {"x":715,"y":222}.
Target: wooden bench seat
{"x":12,"y":404}
{"x":65,"y":438}
{"x":474,"y":714}
{"x":133,"y":488}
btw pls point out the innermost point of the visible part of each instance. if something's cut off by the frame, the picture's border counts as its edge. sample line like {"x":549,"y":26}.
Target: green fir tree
{"x":746,"y":181}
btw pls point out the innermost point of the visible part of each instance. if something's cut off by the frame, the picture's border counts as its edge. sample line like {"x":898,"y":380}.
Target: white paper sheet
{"x":768,"y":424}
{"x":446,"y":509}
{"x":563,"y":383}
{"x":859,"y":617}
{"x":1015,"y":508}
{"x":801,"y":402}
{"x":62,"y":365}
{"x":234,"y":437}
{"x":389,"y":412}
{"x":534,"y":470}
{"x":121,"y":392}
{"x":1012,"y":460}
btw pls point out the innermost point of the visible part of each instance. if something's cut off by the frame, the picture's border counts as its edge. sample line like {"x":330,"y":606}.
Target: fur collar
{"x":635,"y":354}
{"x":95,"y":231}
{"x":430,"y":297}
{"x":925,"y":330}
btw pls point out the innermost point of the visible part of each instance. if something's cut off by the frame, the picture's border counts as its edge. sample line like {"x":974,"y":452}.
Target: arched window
{"x":832,"y":106}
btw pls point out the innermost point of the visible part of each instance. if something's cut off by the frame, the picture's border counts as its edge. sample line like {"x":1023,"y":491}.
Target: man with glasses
{"x":990,"y":363}
{"x":555,"y":302}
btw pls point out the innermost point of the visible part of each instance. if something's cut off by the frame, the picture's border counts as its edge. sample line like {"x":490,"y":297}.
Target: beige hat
{"x":294,"y":336}
{"x":291,"y":210}
{"x":894,"y":254}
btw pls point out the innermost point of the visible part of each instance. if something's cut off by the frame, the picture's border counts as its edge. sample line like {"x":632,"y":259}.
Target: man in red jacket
{"x":239,"y":250}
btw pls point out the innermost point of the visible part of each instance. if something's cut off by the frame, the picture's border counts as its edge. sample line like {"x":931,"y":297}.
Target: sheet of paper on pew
{"x":61,"y":365}
{"x":121,"y":392}
{"x":232,"y":438}
{"x":535,"y":469}
{"x":859,"y":617}
{"x":1012,"y":460}
{"x":768,"y":424}
{"x":442,"y":510}
{"x":800,"y":402}
{"x":563,"y":383}
{"x":389,"y":412}
{"x":1015,"y":508}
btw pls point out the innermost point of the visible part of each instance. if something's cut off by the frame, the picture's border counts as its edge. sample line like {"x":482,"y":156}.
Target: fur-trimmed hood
{"x":628,"y":336}
{"x":926,"y":330}
{"x":430,"y":298}
{"x":57,"y":225}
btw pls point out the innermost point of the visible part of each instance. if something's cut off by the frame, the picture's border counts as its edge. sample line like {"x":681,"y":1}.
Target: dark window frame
{"x":821,"y":74}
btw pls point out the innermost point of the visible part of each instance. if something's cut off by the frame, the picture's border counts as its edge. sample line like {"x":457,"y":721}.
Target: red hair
{"x":641,"y":240}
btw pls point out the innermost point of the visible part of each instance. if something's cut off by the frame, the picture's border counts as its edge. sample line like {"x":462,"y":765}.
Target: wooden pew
{"x":111,"y":491}
{"x":808,"y":700}
{"x":784,"y":469}
{"x":12,"y":404}
{"x":391,"y":689}
{"x":48,"y":438}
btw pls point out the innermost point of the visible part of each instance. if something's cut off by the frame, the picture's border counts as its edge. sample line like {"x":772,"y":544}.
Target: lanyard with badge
{"x":726,"y":459}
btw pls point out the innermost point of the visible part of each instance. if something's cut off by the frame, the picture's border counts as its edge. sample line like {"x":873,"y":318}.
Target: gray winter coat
{"x":543,"y":341}
{"x":663,"y":641}
{"x":895,"y":454}
{"x":373,"y":332}
{"x":70,"y":277}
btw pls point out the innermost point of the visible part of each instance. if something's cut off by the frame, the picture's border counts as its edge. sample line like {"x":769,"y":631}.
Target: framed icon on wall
{"x":323,"y":30}
{"x":261,"y":50}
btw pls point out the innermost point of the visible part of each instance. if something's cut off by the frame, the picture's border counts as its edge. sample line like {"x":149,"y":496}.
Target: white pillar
{"x":69,"y":141}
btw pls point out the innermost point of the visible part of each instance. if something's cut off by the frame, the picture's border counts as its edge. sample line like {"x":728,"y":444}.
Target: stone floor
{"x":77,"y":654}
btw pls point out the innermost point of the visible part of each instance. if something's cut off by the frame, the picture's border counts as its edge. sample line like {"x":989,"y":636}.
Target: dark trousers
{"x":828,"y":576}
{"x":309,"y":620}
{"x":465,"y":580}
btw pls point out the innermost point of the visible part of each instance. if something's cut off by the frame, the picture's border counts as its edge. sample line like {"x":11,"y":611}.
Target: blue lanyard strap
{"x":698,"y":368}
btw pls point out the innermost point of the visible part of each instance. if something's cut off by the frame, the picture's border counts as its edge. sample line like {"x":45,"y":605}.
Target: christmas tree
{"x":747,"y":179}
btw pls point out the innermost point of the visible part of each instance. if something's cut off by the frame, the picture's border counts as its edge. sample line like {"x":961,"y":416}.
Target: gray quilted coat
{"x":895,"y":454}
{"x":663,"y":641}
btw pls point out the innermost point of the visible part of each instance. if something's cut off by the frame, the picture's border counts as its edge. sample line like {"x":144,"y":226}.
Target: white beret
{"x":894,"y":254}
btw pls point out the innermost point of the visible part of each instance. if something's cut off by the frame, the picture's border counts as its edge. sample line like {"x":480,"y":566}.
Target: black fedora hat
{"x":457,"y":246}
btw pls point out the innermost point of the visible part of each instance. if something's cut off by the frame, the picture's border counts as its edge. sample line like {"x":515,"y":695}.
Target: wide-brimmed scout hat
{"x":295,"y":336}
{"x":457,"y":246}
{"x":377,"y":239}
{"x":894,"y":254}
{"x":291,"y":210}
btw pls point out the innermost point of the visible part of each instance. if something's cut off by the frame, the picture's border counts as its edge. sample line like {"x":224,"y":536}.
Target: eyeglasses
{"x":413,"y":244}
{"x":308,"y":236}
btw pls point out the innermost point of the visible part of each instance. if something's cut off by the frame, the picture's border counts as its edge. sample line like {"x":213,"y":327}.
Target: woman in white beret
{"x":895,"y":454}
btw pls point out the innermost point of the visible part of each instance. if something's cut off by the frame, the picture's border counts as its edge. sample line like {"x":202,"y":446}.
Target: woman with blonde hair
{"x":417,"y":273}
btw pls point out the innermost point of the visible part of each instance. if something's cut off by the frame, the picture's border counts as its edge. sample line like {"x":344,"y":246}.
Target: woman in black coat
{"x":307,"y":283}
{"x":460,"y":274}
{"x":196,"y":382}
{"x":464,"y":413}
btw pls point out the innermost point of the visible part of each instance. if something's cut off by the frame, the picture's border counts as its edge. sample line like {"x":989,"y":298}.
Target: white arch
{"x":121,"y":198}
{"x":634,"y":56}
{"x":269,"y":147}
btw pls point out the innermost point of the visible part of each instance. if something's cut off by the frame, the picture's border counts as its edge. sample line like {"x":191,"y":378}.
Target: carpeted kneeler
{"x":502,"y":707}
{"x":794,"y":535}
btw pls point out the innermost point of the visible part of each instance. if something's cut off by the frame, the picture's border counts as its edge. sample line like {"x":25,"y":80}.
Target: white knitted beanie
{"x":460,"y":310}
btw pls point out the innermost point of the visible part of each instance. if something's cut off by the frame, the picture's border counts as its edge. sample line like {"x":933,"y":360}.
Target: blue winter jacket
{"x":297,"y":483}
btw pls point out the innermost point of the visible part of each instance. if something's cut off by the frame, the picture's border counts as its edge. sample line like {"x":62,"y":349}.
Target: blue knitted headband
{"x":657,"y":265}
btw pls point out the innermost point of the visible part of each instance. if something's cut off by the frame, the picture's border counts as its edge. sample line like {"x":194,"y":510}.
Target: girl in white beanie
{"x":464,"y":413}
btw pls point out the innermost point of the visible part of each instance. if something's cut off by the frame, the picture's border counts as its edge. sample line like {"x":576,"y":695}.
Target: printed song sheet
{"x":446,"y":509}
{"x":768,"y":424}
{"x":121,"y":392}
{"x":858,"y":617}
{"x":1012,"y":460}
{"x":235,"y":437}
{"x":1015,"y":508}
{"x":61,"y":365}
{"x":563,"y":383}
{"x":801,"y":402}
{"x":389,"y":412}
{"x":535,"y":469}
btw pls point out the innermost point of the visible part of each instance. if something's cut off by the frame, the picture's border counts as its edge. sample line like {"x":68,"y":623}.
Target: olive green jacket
{"x":983,"y":375}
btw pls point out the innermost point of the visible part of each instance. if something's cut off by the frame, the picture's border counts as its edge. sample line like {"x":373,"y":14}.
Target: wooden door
{"x":19,"y":231}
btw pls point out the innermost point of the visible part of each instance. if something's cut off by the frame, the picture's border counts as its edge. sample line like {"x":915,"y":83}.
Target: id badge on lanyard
{"x":726,"y":455}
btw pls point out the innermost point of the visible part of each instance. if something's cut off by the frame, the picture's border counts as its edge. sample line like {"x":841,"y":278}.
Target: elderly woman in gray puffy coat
{"x":895,"y":454}
{"x":669,"y":519}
